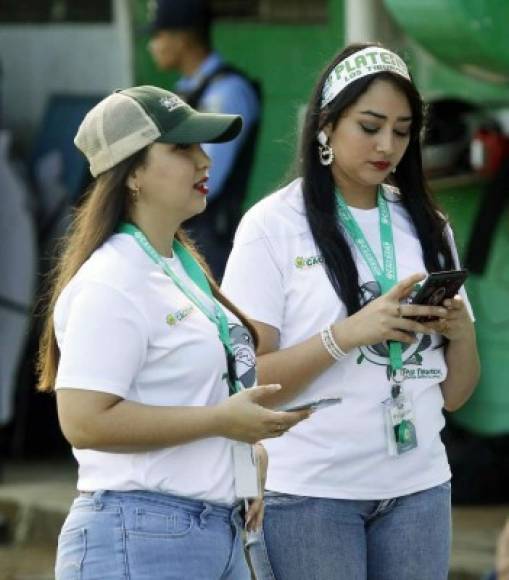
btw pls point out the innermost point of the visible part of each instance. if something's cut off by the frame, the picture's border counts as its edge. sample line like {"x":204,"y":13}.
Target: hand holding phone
{"x":436,"y":288}
{"x":314,"y":405}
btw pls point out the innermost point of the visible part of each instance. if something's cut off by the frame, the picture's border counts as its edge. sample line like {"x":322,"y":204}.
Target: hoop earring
{"x":325,"y":152}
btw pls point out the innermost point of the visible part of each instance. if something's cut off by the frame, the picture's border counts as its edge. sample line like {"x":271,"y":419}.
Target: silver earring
{"x":325,"y":152}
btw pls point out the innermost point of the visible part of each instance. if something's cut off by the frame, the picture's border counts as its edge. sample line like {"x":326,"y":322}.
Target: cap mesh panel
{"x":113,"y":130}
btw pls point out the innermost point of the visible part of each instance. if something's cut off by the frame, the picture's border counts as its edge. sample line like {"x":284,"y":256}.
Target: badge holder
{"x":246,"y":467}
{"x":246,"y":470}
{"x":399,"y":422}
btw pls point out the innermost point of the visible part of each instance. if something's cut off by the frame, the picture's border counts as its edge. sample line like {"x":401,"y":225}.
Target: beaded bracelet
{"x":330,"y":344}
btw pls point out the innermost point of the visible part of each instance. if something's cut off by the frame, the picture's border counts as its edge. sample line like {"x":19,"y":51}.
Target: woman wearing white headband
{"x":361,"y":490}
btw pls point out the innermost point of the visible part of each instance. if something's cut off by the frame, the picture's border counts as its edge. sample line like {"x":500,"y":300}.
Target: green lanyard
{"x":197,"y":275}
{"x":386,"y":277}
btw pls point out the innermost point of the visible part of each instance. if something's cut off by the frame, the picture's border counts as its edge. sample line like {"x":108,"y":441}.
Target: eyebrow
{"x":379,"y":116}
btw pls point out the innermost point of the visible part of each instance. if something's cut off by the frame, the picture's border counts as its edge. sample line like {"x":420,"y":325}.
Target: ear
{"x":132,"y":181}
{"x":327,"y":129}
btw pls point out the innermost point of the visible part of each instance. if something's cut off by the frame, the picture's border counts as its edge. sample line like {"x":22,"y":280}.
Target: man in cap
{"x":181,"y":40}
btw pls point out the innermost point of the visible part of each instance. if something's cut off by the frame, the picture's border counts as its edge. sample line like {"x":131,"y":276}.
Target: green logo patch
{"x":179,"y":315}
{"x":302,"y":262}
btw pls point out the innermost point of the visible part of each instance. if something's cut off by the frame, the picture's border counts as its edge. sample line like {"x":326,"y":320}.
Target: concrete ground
{"x":35,"y":497}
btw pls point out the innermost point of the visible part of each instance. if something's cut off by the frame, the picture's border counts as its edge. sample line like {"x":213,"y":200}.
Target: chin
{"x":374,"y":180}
{"x":197,"y":210}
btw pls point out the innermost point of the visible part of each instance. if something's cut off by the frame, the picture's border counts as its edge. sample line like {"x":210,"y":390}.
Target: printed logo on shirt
{"x":179,"y":315}
{"x":378,"y":354}
{"x":303,"y":263}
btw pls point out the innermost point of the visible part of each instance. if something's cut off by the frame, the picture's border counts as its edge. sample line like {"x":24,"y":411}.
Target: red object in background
{"x":488,"y":148}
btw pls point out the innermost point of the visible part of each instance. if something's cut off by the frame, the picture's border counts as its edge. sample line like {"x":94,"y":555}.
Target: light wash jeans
{"x":306,"y":538}
{"x":141,"y":535}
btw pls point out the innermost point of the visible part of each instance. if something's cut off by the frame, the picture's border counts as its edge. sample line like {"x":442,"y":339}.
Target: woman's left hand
{"x":456,"y":324}
{"x":254,"y":515}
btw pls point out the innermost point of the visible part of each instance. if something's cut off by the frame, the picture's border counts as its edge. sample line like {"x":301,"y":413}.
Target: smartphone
{"x":314,"y":405}
{"x":436,"y":288}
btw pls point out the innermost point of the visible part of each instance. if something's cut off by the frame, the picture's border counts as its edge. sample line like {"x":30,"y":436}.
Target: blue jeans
{"x":307,"y":538}
{"x":153,"y":536}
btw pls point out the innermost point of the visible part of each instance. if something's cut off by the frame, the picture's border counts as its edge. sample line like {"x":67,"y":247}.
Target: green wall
{"x":487,"y":412}
{"x":286,"y":58}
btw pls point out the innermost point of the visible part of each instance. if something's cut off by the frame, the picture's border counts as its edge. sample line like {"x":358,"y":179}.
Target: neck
{"x":160,"y":232}
{"x":192,"y":59}
{"x":361,"y":197}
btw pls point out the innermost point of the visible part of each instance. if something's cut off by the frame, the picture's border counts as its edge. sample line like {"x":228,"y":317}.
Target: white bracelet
{"x":330,"y":344}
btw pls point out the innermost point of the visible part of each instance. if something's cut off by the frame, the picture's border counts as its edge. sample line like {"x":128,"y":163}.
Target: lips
{"x":381,"y":165}
{"x":202,"y":186}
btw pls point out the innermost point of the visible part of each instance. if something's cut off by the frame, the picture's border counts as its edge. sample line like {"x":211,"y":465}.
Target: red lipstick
{"x":381,"y":165}
{"x":202,"y":186}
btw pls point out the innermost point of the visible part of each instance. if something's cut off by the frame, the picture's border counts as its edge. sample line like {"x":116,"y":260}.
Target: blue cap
{"x":180,"y":14}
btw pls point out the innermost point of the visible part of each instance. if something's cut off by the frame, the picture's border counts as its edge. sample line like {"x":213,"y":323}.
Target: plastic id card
{"x":399,"y":424}
{"x":246,"y":471}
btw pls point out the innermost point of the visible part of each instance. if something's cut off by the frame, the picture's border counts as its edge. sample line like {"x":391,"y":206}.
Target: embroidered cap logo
{"x":171,"y":103}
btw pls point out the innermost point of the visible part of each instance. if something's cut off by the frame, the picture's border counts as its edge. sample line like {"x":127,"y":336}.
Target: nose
{"x":203,"y":161}
{"x":385,"y":142}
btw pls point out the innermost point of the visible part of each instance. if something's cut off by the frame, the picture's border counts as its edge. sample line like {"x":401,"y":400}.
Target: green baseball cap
{"x":128,"y":120}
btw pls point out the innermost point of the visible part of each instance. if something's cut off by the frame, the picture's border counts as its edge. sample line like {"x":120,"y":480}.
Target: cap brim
{"x":204,"y":128}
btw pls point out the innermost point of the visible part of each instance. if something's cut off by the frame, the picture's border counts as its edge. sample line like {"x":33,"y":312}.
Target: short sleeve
{"x":102,"y":339}
{"x":253,"y":280}
{"x":457,"y":263}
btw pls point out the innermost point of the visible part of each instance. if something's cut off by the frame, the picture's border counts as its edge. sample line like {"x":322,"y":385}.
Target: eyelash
{"x":183,"y":146}
{"x":372,"y":131}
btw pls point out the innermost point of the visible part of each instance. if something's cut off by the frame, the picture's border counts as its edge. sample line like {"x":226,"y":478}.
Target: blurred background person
{"x":181,"y":41}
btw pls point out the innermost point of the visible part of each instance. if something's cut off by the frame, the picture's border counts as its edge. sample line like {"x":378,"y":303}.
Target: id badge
{"x":246,"y":471}
{"x":399,"y":425}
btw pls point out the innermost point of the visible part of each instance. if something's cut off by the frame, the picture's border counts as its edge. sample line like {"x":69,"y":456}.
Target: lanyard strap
{"x":197,"y":275}
{"x":386,"y":276}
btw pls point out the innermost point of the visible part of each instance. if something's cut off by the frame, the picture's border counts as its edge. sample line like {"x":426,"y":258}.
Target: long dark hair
{"x":319,"y":187}
{"x":105,"y":205}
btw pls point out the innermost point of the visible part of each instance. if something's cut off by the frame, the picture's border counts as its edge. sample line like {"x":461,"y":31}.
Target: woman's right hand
{"x":385,"y":318}
{"x":242,"y":416}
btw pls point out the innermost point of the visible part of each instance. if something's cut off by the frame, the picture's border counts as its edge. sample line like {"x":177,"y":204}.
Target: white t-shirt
{"x":275,"y":275}
{"x":124,"y":328}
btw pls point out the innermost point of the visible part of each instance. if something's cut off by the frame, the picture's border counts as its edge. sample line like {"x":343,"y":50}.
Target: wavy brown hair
{"x":105,"y":204}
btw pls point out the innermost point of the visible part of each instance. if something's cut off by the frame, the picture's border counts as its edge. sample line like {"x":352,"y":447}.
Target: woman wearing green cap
{"x":150,"y":361}
{"x":361,"y":490}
